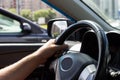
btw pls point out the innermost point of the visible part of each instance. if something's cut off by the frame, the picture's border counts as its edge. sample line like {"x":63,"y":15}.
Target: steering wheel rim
{"x":101,"y":38}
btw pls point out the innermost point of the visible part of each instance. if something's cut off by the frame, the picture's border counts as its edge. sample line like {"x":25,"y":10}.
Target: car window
{"x":8,"y":25}
{"x":106,"y":9}
{"x":36,"y":11}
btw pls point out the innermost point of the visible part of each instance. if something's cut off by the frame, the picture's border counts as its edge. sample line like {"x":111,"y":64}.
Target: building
{"x":23,"y":4}
{"x":112,"y":8}
{"x":6,"y":3}
{"x":36,"y":4}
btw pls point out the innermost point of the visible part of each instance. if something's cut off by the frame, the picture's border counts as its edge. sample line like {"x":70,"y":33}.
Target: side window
{"x":9,"y":25}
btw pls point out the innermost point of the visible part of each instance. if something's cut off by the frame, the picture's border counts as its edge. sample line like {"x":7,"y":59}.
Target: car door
{"x":18,"y":37}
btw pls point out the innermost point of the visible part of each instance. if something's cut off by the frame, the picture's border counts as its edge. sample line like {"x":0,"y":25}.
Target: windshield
{"x":109,"y":10}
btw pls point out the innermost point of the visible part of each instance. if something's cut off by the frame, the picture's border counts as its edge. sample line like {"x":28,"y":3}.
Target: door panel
{"x":11,"y":53}
{"x":18,"y":38}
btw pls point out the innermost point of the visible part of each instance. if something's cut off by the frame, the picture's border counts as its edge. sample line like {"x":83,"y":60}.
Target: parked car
{"x":93,"y":38}
{"x":18,"y":37}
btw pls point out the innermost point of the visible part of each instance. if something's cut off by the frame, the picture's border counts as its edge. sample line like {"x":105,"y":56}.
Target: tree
{"x":27,"y":14}
{"x":47,"y":13}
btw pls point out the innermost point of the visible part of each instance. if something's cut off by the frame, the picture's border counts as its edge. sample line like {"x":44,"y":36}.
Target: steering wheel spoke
{"x":71,"y":65}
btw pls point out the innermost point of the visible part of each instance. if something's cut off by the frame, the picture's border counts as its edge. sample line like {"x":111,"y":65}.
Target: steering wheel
{"x":80,"y":66}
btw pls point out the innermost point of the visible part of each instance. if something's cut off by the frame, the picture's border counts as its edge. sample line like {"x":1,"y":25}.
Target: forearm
{"x":21,"y":69}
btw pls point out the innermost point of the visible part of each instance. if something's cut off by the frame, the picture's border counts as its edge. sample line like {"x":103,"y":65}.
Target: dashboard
{"x":114,"y":48}
{"x":90,"y":46}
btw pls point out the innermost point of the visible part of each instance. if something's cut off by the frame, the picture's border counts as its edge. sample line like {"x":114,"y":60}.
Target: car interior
{"x":94,"y":47}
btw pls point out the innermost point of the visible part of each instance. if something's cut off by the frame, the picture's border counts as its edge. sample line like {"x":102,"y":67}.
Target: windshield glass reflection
{"x":109,"y":10}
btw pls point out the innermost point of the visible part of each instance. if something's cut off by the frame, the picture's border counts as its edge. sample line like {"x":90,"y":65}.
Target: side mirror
{"x":57,"y":26}
{"x":26,"y":28}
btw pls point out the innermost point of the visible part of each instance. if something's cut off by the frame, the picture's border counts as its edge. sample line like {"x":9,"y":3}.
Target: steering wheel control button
{"x":66,"y":63}
{"x":87,"y":72}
